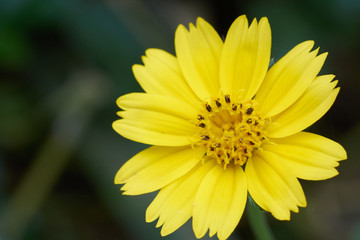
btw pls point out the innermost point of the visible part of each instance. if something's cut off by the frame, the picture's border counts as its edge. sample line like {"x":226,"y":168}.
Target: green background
{"x":63,"y":63}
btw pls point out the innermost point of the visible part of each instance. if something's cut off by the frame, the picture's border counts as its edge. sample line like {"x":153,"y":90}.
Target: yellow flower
{"x":222,"y":124}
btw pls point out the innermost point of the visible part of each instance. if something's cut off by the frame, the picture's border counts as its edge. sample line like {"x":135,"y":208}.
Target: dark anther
{"x":240,"y":105}
{"x":235,"y":148}
{"x":256,"y":123}
{"x":205,"y":137}
{"x":200,"y":117}
{"x":217,"y":145}
{"x":252,"y":143}
{"x":258,"y":133}
{"x":218,"y":104}
{"x":227,"y":98}
{"x":249,"y":110}
{"x":249,"y":120}
{"x":208,"y":108}
{"x":234,"y":107}
{"x":202,"y":125}
{"x":245,"y":150}
{"x":212,"y":148}
{"x":249,"y":133}
{"x":228,"y":155}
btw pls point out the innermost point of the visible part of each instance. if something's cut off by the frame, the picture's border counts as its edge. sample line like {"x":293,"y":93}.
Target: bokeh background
{"x":63,"y":63}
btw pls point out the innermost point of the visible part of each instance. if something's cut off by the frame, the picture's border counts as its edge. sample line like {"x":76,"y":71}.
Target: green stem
{"x":258,"y":223}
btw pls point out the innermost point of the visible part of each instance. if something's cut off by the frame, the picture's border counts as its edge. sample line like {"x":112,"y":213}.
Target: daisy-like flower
{"x":222,"y":125}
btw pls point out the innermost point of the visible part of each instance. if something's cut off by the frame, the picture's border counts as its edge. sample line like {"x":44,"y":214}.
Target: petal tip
{"x":120,"y":178}
{"x":264,"y":23}
{"x":322,"y":57}
{"x":135,"y":67}
{"x":310,"y":43}
{"x":264,"y":19}
{"x":342,"y":154}
{"x":150,"y":51}
{"x":240,"y":20}
{"x":200,"y":20}
{"x":180,"y":30}
{"x":115,"y":123}
{"x":191,"y":26}
{"x":117,"y":180}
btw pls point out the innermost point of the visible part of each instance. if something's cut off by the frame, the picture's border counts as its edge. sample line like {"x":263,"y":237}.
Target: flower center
{"x":230,"y":130}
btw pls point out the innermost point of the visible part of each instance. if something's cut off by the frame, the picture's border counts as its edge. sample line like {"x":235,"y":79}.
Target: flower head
{"x":222,"y":125}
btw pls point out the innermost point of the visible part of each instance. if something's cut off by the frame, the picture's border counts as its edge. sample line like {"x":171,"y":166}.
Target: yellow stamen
{"x":230,"y":130}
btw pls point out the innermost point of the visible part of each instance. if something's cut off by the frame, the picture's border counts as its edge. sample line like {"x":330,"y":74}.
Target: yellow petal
{"x":307,"y":155}
{"x":174,"y":203}
{"x":260,"y":194}
{"x":288,"y":177}
{"x":245,"y":57}
{"x":198,"y":52}
{"x":287,"y":80}
{"x":158,"y":167}
{"x":162,"y":75}
{"x":157,"y":103}
{"x":310,"y":107}
{"x":154,"y":128}
{"x":142,"y":160}
{"x":236,"y":208}
{"x":274,"y":186}
{"x":220,"y":202}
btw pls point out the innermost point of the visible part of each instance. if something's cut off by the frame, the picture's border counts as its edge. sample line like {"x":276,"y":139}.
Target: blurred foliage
{"x":63,"y":63}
